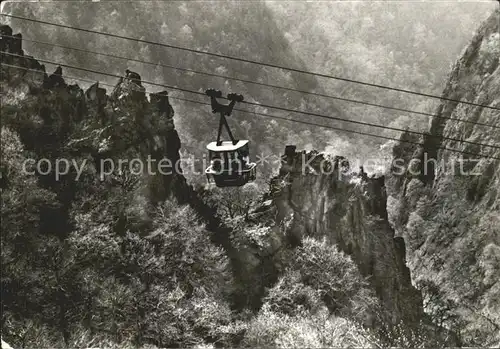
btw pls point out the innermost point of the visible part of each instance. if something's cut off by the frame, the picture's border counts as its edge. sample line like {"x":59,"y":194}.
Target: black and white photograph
{"x":250,"y":174}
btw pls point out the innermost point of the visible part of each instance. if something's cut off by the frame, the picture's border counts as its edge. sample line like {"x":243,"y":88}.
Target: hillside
{"x":83,"y":250}
{"x":450,"y":219}
{"x":406,"y":44}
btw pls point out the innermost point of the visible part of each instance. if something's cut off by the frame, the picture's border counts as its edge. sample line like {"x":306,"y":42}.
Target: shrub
{"x":290,"y":296}
{"x":333,"y":273}
{"x":304,"y":330}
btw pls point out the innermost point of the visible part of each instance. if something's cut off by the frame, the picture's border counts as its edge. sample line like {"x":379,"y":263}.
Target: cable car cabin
{"x":230,"y":164}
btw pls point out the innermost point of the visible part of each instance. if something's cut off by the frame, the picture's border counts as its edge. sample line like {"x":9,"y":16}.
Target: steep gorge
{"x":450,"y":219}
{"x":427,"y":228}
{"x":320,"y":200}
{"x":55,"y":120}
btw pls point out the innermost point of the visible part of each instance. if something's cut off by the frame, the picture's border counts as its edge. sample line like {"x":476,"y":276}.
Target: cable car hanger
{"x":224,"y":110}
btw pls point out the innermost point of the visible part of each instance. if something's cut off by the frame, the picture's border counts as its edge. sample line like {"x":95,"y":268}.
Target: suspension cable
{"x":271,"y":106}
{"x":284,"y":118}
{"x":256,"y":83}
{"x":218,"y":55}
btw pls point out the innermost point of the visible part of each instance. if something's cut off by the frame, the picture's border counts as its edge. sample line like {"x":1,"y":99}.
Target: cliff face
{"x":450,"y":218}
{"x":120,"y":138}
{"x":317,"y":197}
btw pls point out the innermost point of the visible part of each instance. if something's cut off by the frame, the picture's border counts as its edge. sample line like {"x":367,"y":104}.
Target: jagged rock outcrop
{"x":91,"y":124}
{"x":449,"y":213}
{"x":319,"y":197}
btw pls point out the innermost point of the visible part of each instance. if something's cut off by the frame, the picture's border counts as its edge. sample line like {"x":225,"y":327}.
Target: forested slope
{"x":449,"y":213}
{"x":97,"y":255}
{"x":404,"y":44}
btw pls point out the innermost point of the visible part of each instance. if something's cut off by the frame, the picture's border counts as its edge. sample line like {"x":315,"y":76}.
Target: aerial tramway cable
{"x":218,"y":55}
{"x":270,"y":106}
{"x":257,"y":83}
{"x":287,"y":119}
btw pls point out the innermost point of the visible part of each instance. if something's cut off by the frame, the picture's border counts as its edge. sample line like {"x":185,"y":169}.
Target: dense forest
{"x":292,"y":260}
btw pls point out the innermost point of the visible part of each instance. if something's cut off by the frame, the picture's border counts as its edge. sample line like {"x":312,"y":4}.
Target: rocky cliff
{"x":450,"y":218}
{"x":319,"y":197}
